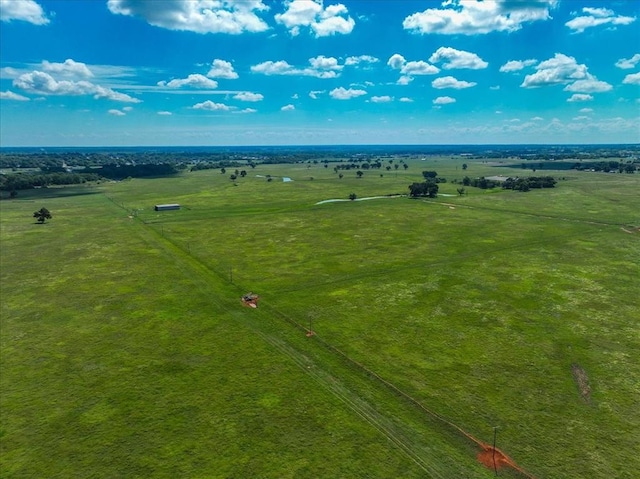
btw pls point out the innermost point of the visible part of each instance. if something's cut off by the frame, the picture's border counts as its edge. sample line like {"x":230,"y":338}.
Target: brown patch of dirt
{"x":489,"y":454}
{"x":581,"y":378}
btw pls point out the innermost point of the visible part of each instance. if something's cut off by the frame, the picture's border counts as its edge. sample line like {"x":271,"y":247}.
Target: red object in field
{"x":250,"y":300}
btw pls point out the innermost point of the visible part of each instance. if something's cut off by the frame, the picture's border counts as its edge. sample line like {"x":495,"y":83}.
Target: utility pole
{"x":495,"y":433}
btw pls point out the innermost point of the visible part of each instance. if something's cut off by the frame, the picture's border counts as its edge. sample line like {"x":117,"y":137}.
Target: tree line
{"x":25,"y":181}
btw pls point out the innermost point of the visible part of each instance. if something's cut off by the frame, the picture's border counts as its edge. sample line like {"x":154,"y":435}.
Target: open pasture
{"x":126,"y":352}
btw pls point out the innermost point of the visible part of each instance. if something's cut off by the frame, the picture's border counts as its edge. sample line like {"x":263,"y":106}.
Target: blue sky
{"x":295,"y":72}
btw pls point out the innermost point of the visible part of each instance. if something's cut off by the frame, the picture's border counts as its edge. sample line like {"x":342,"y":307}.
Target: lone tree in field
{"x":42,"y":215}
{"x":353,"y":196}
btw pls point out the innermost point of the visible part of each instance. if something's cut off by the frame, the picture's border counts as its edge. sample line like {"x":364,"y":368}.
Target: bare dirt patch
{"x":582,"y":380}
{"x":493,"y":458}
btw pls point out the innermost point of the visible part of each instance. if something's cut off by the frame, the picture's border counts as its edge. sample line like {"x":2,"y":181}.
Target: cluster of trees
{"x":428,"y":188}
{"x":119,"y":172}
{"x":434,"y":176}
{"x":606,"y":166}
{"x":525,"y":184}
{"x":213,"y":165}
{"x":481,"y":182}
{"x":370,"y":164}
{"x":26,"y":181}
{"x":54,"y":175}
{"x":519,"y":184}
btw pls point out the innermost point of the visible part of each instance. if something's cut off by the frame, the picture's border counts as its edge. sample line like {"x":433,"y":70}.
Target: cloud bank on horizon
{"x":181,"y":72}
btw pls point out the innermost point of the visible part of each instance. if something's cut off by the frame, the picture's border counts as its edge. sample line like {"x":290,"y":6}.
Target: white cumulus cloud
{"x":165,"y":113}
{"x":406,"y":99}
{"x":313,"y":15}
{"x":314,"y":94}
{"x":42,"y":83}
{"x":580,"y":97}
{"x":594,"y":17}
{"x":208,"y":105}
{"x":560,"y":69}
{"x":288,"y":107}
{"x":517,"y":65}
{"x":453,"y":58}
{"x":628,"y":63}
{"x":320,"y":67}
{"x":410,"y":69}
{"x":194,"y":80}
{"x":200,"y":16}
{"x":381,"y":99}
{"x":341,"y":93}
{"x":368,"y":59}
{"x":396,"y":61}
{"x":222,"y":69}
{"x":23,"y":10}
{"x":632,"y":79}
{"x":248,"y":96}
{"x":444,"y":100}
{"x":419,"y":68}
{"x":9,"y":95}
{"x":589,"y":85}
{"x":69,"y":68}
{"x":451,"y":82}
{"x":116,"y":112}
{"x":472,"y":17}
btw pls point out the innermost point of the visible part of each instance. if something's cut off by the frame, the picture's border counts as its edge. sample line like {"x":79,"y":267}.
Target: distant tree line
{"x":120,"y":172}
{"x":28,"y":180}
{"x":482,"y":182}
{"x":25,"y":181}
{"x":606,"y":166}
{"x":518,"y":184}
{"x":214,"y":165}
{"x":527,"y":183}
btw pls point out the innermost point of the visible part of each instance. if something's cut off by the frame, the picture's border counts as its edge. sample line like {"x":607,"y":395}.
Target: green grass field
{"x":125,"y":350}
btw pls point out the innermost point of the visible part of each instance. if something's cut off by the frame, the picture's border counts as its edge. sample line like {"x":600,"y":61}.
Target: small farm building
{"x":173,"y":206}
